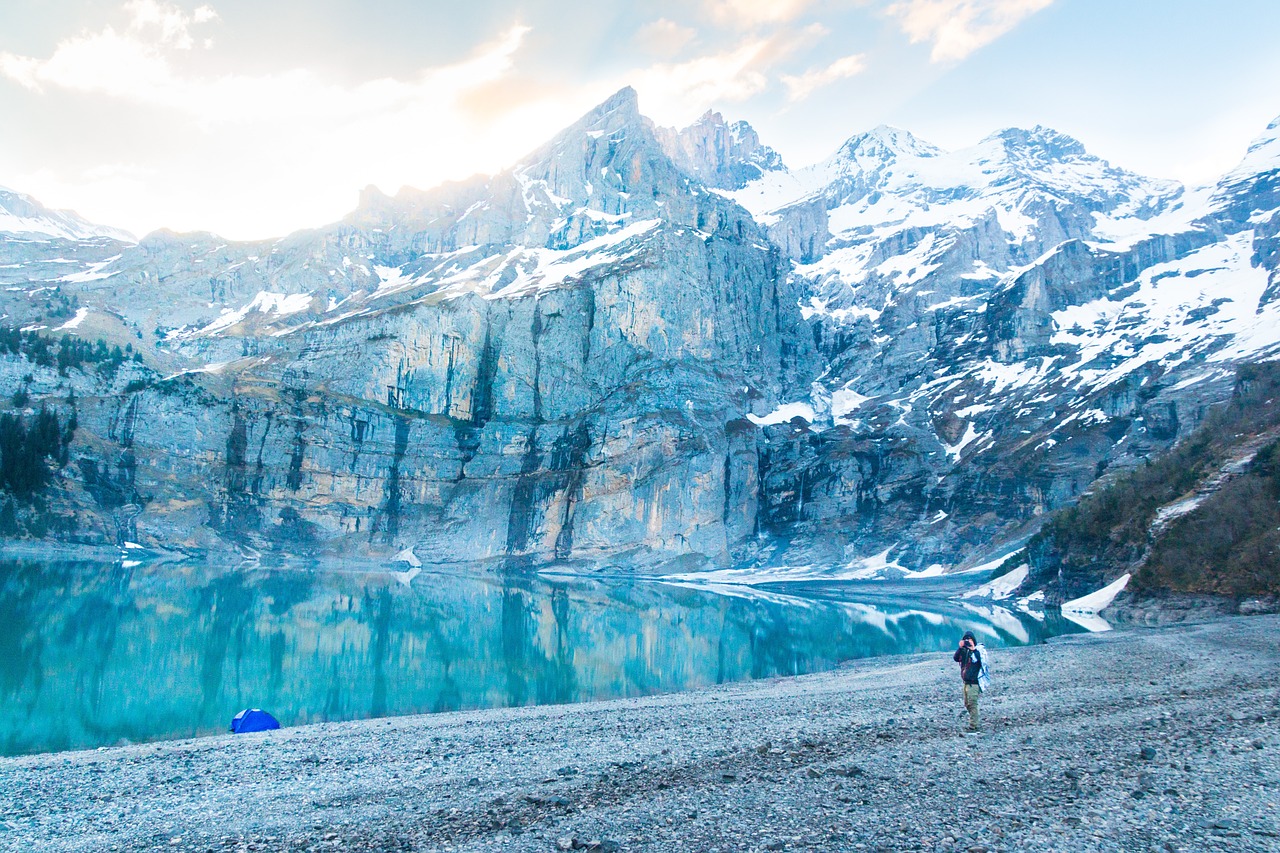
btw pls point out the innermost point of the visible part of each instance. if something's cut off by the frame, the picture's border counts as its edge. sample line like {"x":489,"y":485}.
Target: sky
{"x":254,"y":118}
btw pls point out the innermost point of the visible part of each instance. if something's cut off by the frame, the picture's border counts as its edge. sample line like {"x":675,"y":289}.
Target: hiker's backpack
{"x":984,"y":671}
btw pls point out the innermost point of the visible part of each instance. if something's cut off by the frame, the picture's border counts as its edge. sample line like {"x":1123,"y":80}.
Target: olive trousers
{"x":971,"y":694}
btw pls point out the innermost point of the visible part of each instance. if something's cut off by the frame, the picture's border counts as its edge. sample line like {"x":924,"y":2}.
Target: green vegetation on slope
{"x":67,"y":353}
{"x":1228,"y":544}
{"x":31,"y":450}
{"x":27,"y":450}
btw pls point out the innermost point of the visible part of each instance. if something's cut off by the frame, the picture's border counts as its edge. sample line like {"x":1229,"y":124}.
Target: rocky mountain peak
{"x":1043,"y":142}
{"x":1050,"y":164}
{"x":619,"y":110}
{"x":886,"y":143}
{"x":371,"y":197}
{"x":573,"y":188}
{"x":719,"y":154}
{"x":606,"y":170}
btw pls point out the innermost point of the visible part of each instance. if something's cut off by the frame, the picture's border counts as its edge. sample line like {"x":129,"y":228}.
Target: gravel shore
{"x":1136,"y":740}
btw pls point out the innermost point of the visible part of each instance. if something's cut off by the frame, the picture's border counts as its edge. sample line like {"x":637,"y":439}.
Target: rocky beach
{"x":601,"y":477}
{"x":1158,"y":739}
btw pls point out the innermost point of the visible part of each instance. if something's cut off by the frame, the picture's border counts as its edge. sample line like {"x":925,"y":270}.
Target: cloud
{"x":665,"y":37}
{"x":745,"y":14}
{"x":115,"y":63}
{"x":171,"y":22}
{"x":804,"y":85}
{"x":676,"y":93}
{"x":297,"y":137}
{"x":108,"y":63}
{"x":690,"y":86}
{"x":957,"y":28}
{"x":140,"y":66}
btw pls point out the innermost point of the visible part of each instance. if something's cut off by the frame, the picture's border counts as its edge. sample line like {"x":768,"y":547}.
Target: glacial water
{"x":95,"y":654}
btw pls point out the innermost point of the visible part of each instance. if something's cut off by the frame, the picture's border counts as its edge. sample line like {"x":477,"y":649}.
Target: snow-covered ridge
{"x":889,"y":179}
{"x":24,"y":217}
{"x":271,"y":304}
{"x":1263,"y":155}
{"x":518,"y":272}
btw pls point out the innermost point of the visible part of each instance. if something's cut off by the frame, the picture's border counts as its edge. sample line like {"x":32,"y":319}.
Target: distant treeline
{"x":1229,"y":544}
{"x":67,"y":353}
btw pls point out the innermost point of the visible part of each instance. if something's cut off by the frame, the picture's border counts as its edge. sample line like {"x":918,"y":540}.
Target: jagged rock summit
{"x":718,"y":154}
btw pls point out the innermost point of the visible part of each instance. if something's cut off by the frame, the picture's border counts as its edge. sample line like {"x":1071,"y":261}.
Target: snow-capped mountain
{"x":1041,"y":186}
{"x":22,"y":216}
{"x":643,"y":345}
{"x":1007,"y":310}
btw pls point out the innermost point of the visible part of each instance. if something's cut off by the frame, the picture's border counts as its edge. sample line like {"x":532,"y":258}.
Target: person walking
{"x":970,"y":660}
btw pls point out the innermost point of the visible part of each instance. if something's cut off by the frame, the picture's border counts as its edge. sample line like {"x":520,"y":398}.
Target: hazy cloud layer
{"x":802,"y":86}
{"x":750,"y":13}
{"x":665,"y":37}
{"x":956,"y":28}
{"x":140,"y":65}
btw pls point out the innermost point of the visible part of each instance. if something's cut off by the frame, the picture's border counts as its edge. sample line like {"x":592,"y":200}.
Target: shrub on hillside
{"x":1227,"y":546}
{"x":1230,"y":544}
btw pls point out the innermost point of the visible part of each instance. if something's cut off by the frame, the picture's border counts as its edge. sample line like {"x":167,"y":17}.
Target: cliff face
{"x":641,"y":346}
{"x":552,"y":365}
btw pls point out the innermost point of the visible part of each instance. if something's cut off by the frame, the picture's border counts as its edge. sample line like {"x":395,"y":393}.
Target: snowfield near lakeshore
{"x":1139,"y":739}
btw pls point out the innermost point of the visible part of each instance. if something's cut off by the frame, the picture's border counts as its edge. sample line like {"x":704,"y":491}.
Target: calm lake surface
{"x":96,"y":654}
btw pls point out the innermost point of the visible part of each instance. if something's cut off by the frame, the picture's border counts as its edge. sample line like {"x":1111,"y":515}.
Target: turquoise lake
{"x":95,"y":654}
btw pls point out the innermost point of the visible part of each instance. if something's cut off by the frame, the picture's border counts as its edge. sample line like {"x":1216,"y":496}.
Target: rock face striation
{"x":647,"y":347}
{"x":551,"y":364}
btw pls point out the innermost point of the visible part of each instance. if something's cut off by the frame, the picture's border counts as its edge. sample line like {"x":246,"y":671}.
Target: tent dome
{"x":253,"y":720}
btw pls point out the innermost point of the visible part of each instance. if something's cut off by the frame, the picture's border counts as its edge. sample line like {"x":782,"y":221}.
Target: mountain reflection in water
{"x":97,"y":654}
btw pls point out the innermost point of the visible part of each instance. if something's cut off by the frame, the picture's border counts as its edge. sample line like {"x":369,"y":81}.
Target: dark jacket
{"x":970,"y":661}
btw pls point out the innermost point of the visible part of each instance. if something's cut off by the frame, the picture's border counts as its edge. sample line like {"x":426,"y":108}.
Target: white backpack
{"x":984,"y":671}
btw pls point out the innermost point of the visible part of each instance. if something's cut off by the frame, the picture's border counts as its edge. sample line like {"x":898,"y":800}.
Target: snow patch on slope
{"x":784,"y":414}
{"x":1002,"y":587}
{"x":75,"y":321}
{"x":1098,"y":600}
{"x":278,"y":304}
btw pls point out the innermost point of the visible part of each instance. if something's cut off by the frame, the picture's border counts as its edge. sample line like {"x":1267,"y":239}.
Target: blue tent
{"x":253,"y":720}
